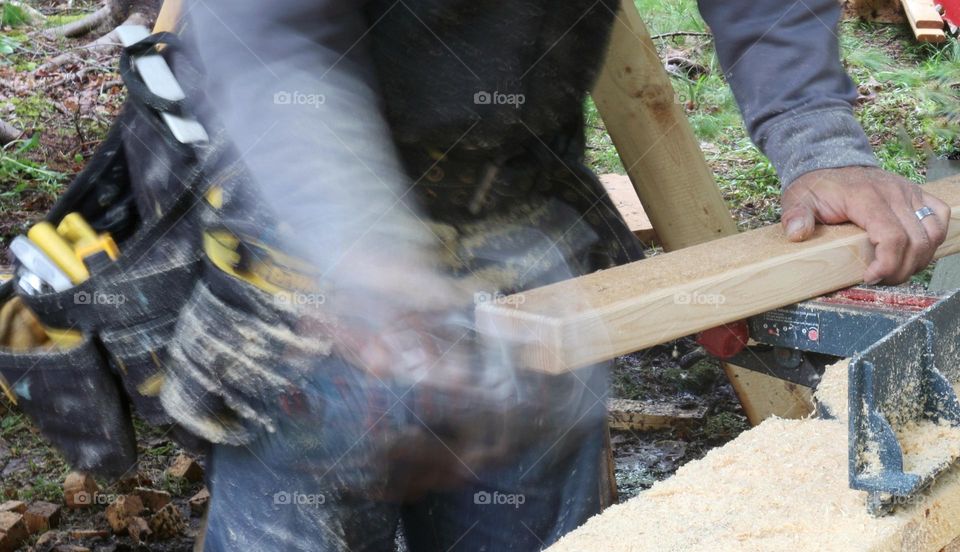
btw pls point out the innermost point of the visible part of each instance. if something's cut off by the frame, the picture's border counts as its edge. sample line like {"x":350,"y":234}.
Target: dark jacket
{"x":318,"y":93}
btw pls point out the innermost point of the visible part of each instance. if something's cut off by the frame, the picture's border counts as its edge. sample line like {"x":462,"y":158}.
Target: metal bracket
{"x":894,"y":382}
{"x":160,"y":80}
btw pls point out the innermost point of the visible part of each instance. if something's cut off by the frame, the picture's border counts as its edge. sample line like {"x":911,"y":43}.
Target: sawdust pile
{"x":780,"y":486}
{"x":926,"y":445}
{"x":832,"y":390}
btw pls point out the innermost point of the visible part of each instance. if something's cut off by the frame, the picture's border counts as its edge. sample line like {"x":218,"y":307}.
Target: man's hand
{"x":881,"y":203}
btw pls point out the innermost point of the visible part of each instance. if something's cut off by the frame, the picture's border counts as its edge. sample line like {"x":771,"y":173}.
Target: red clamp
{"x":725,"y":341}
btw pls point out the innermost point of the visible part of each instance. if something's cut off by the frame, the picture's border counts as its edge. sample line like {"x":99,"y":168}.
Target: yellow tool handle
{"x":169,"y":16}
{"x":64,"y":339}
{"x":104,"y":243}
{"x":74,"y":228}
{"x":45,"y":236}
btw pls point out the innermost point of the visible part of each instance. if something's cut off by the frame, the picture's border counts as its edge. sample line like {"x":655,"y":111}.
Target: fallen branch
{"x":8,"y":133}
{"x":82,"y":26}
{"x":105,"y":43}
{"x":680,"y":33}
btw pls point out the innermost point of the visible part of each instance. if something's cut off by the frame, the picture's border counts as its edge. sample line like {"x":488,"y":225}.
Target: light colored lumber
{"x":763,"y":396}
{"x":625,"y":199}
{"x":676,"y":190}
{"x":930,"y":35}
{"x":602,"y":315}
{"x":925,"y":22}
{"x":922,"y":14}
{"x":625,"y":414}
{"x":781,"y":486}
{"x":654,"y":139}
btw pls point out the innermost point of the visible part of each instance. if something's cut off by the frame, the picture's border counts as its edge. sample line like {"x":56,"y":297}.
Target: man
{"x":426,"y":154}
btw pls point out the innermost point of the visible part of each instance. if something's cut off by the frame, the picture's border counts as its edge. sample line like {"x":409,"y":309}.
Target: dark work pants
{"x":302,"y":488}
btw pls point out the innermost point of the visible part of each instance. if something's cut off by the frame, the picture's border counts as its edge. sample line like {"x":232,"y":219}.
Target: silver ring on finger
{"x":924,"y":212}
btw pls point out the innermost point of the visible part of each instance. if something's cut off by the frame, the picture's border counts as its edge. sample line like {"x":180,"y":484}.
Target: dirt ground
{"x":678,"y":374}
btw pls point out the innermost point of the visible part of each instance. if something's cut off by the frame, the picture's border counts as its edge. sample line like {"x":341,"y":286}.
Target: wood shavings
{"x":779,"y":486}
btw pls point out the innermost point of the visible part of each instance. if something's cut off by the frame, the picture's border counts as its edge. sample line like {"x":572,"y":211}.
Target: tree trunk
{"x":82,"y":26}
{"x":112,"y":14}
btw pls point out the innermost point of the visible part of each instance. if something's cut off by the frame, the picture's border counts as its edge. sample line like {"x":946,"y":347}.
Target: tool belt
{"x":190,"y":318}
{"x":110,"y":334}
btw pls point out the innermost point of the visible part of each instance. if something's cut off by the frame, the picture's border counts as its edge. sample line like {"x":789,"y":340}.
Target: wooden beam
{"x":763,"y":396}
{"x":925,"y":22}
{"x":667,"y":170}
{"x":655,"y":141}
{"x":625,"y":414}
{"x":922,"y":14}
{"x":624,"y":197}
{"x":602,"y":315}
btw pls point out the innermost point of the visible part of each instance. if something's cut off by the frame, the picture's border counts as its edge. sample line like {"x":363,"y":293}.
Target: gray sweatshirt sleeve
{"x":295,"y":89}
{"x":782,"y":61}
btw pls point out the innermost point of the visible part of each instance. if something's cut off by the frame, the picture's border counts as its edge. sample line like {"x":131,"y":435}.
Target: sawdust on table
{"x":926,"y":445}
{"x":779,"y":486}
{"x":832,"y":391}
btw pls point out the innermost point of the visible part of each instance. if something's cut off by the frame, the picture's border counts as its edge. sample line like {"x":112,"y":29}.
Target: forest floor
{"x":906,"y":106}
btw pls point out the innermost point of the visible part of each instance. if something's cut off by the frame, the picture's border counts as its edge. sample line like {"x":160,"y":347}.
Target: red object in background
{"x":951,"y":11}
{"x":725,"y":341}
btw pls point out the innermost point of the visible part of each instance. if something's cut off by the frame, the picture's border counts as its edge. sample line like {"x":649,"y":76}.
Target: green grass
{"x":22,"y":175}
{"x":913,"y":115}
{"x":56,"y":20}
{"x":12,"y":16}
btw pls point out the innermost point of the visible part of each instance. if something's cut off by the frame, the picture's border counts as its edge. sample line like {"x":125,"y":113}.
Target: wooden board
{"x":625,"y":414}
{"x":779,"y":486}
{"x":922,"y":14}
{"x":655,"y":141}
{"x":613,"y":312}
{"x":625,"y":198}
{"x":926,"y":23}
{"x":763,"y":396}
{"x":667,"y":170}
